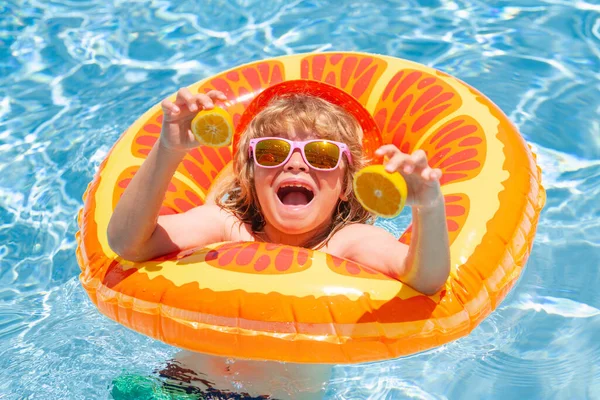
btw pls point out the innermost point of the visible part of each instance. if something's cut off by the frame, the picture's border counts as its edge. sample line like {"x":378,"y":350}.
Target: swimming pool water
{"x":75,"y":74}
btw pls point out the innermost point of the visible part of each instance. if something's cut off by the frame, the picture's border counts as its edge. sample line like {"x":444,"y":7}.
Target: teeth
{"x":296,"y":185}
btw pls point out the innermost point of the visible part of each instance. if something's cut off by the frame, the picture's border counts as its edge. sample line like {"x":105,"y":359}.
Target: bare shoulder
{"x":356,"y":236}
{"x":370,"y":246}
{"x":200,"y":226}
{"x":361,"y":231}
{"x":206,"y":212}
{"x":233,"y":229}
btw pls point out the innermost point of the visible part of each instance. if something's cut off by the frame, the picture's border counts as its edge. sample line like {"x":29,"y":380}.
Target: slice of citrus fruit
{"x":380,"y":192}
{"x":213,"y":128}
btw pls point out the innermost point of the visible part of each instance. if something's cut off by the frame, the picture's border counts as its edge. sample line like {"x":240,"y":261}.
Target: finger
{"x":419,"y":158}
{"x":417,"y":161}
{"x":388,"y":150}
{"x":169,"y":107}
{"x":431,"y":174}
{"x":392,"y":153}
{"x":408,"y":167}
{"x":205,"y":101}
{"x":216,"y":95}
{"x":397,"y":162}
{"x":426,"y":173}
{"x":185,"y":97}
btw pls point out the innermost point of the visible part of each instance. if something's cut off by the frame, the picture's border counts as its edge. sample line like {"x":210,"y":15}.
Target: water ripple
{"x":552,"y":305}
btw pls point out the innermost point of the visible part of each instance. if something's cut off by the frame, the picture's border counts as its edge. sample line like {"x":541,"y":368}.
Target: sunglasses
{"x":322,"y":155}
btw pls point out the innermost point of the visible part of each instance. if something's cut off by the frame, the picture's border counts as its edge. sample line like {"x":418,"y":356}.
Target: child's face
{"x":294,"y":210}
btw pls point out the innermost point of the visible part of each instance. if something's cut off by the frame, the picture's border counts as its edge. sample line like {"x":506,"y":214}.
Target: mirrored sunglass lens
{"x":323,"y":155}
{"x":271,"y":152}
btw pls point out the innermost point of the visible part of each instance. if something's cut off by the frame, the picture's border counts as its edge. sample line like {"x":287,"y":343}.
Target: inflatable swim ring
{"x":274,"y":302}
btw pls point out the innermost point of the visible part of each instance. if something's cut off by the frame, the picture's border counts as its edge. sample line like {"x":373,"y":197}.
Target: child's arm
{"x":136,"y":232}
{"x":425,"y":264}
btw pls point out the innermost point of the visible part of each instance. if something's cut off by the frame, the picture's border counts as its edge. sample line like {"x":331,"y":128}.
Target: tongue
{"x":295,"y":199}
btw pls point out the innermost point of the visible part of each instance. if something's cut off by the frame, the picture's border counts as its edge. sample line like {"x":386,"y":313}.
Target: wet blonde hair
{"x":302,"y":113}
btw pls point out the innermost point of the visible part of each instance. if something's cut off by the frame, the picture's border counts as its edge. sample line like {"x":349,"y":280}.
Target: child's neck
{"x":272,"y":235}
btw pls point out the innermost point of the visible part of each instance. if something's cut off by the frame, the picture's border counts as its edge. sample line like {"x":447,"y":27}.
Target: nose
{"x":296,"y":162}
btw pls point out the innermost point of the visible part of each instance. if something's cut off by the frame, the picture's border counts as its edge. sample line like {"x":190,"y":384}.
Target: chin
{"x":295,"y":226}
{"x":292,"y":222}
{"x":295,"y":220}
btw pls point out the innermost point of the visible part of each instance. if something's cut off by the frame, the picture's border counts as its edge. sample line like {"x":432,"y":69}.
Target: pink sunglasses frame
{"x":300,"y":145}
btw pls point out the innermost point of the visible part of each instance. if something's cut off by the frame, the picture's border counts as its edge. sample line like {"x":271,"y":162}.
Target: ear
{"x":344,"y":194}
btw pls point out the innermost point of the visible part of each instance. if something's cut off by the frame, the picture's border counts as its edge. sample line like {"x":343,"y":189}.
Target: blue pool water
{"x":75,"y":74}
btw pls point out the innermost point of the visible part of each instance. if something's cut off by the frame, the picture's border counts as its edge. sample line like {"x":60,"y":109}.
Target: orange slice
{"x":380,"y":192}
{"x":213,"y":128}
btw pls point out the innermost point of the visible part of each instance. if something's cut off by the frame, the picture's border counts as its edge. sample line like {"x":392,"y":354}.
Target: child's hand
{"x":423,"y":181}
{"x":176,"y":132}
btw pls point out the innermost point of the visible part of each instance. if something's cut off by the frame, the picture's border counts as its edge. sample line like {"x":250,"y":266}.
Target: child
{"x":276,"y":195}
{"x":282,"y":192}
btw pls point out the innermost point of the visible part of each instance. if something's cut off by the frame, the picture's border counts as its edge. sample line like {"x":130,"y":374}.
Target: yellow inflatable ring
{"x":272,"y":302}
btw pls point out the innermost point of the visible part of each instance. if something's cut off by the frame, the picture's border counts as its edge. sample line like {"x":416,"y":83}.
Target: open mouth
{"x":295,"y":195}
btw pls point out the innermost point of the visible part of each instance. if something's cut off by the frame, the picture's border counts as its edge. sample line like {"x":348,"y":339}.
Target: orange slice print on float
{"x":457,"y":210}
{"x":380,"y":192}
{"x":259,"y":258}
{"x":411,"y":103}
{"x":458,"y":148}
{"x":349,"y":268}
{"x":354,"y":73}
{"x":213,"y":128}
{"x":145,"y":138}
{"x":179,"y":197}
